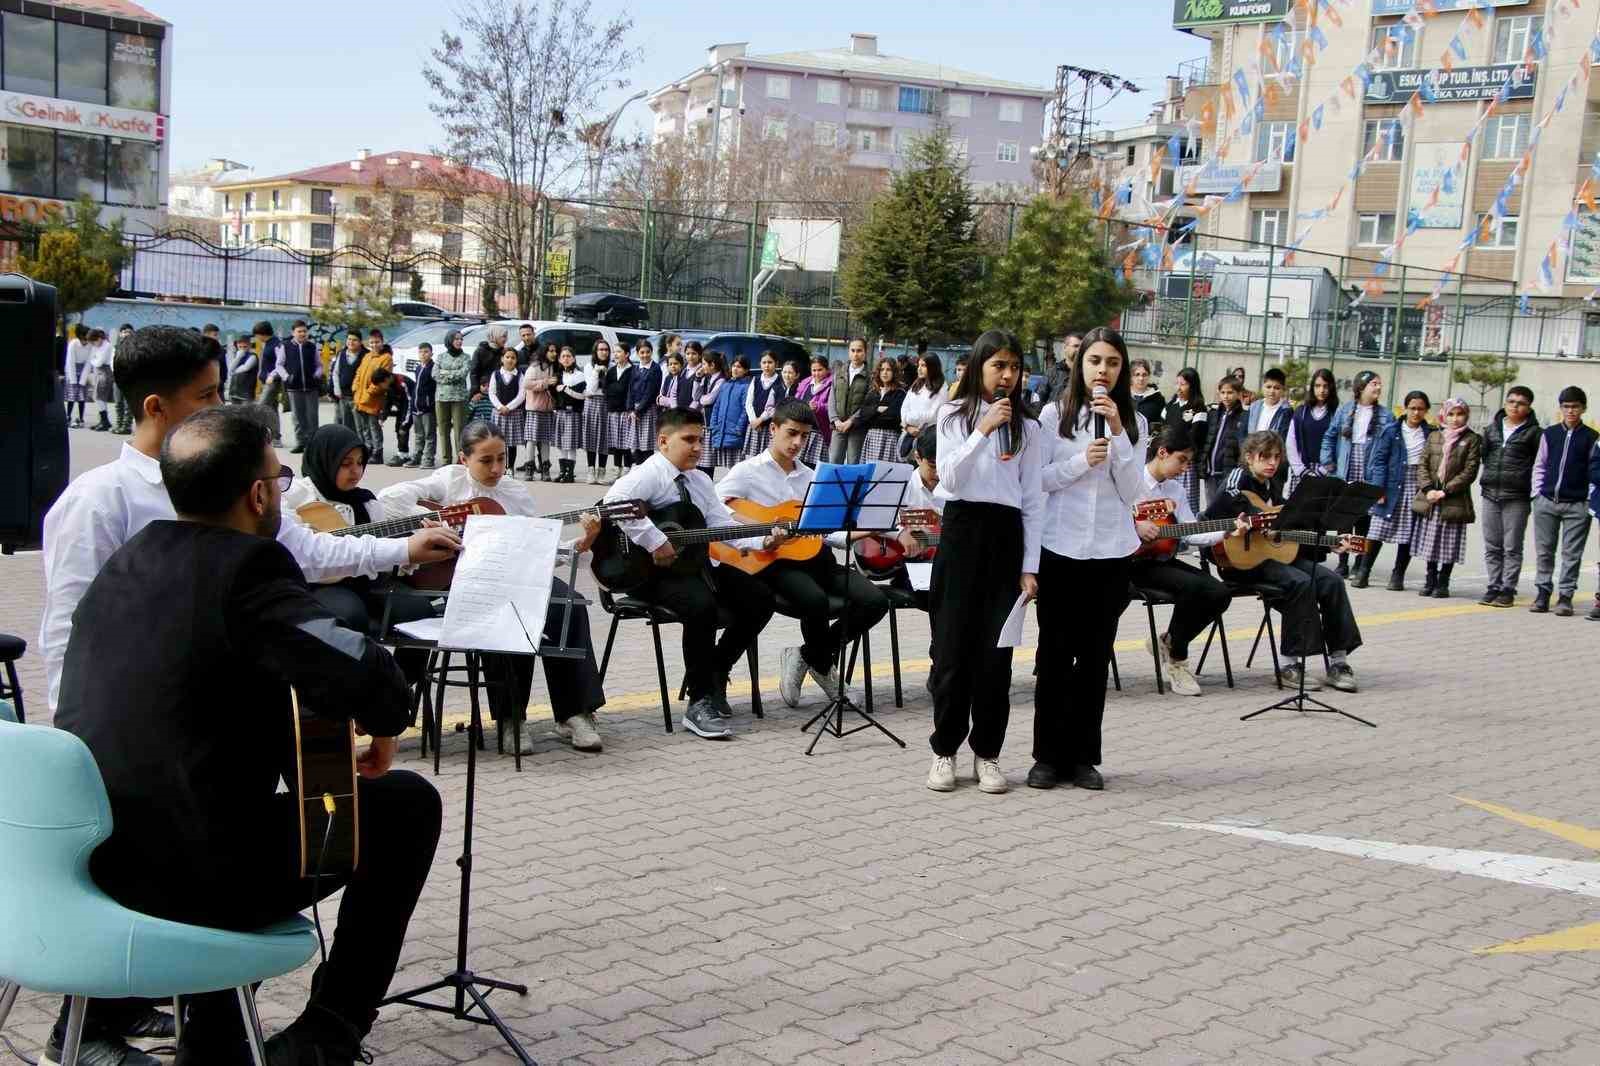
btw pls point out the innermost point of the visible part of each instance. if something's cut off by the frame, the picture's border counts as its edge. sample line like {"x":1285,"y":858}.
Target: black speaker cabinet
{"x":33,"y":422}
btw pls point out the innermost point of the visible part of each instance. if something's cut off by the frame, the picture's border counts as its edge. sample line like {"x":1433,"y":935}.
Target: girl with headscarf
{"x":1450,"y":463}
{"x":452,"y":378}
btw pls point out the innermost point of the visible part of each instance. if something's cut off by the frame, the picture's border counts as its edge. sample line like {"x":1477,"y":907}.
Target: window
{"x":776,"y":129}
{"x":249,"y":201}
{"x":1132,"y":155}
{"x":132,"y":173}
{"x":777,"y":87}
{"x":1284,"y":49}
{"x":1006,"y":152}
{"x":1376,"y":228}
{"x":1394,"y":51}
{"x":730,"y":98}
{"x":362,"y":205}
{"x":135,"y":79}
{"x":27,"y":162}
{"x":404,"y":204}
{"x":322,"y":234}
{"x":959,"y":105}
{"x":1506,"y":136}
{"x":277,"y":199}
{"x":81,"y":63}
{"x":960,"y":146}
{"x":1275,"y":140}
{"x":227,"y":201}
{"x":451,"y":212}
{"x":1511,"y":36}
{"x":247,"y":233}
{"x":1388,"y":134}
{"x":272,"y":230}
{"x":322,"y":203}
{"x":825,"y":133}
{"x":1502,"y":231}
{"x":917,"y":101}
{"x":450,"y":245}
{"x":867,"y":99}
{"x":865,"y":140}
{"x":1269,"y":227}
{"x":30,"y":54}
{"x":80,"y":167}
{"x":827,"y":91}
{"x":902,"y":141}
{"x":1010,"y":110}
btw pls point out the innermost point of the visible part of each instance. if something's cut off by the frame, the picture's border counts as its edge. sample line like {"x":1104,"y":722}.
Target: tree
{"x":1053,"y":276}
{"x":782,"y":319}
{"x":418,"y":291}
{"x":81,"y":257}
{"x":491,"y":297}
{"x":1485,"y":371}
{"x":361,"y":301}
{"x":908,"y":268}
{"x":387,"y":219}
{"x":507,"y":89}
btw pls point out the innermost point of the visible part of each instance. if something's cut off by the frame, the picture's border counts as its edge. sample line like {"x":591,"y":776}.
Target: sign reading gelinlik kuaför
{"x":1463,"y":83}
{"x":1218,"y":12}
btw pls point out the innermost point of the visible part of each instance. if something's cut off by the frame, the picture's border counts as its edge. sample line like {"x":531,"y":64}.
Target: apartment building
{"x":860,"y":99}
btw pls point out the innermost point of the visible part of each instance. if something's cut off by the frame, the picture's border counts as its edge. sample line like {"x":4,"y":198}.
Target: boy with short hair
{"x":1560,"y":493}
{"x":1510,"y":442}
{"x":1305,"y":590}
{"x":422,"y":400}
{"x":1223,"y":438}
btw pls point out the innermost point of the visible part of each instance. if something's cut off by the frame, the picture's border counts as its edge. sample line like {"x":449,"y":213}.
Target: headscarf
{"x":1451,"y":434}
{"x":324,"y":452}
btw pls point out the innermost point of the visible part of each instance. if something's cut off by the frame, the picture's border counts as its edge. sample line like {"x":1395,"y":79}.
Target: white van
{"x":579,"y":336}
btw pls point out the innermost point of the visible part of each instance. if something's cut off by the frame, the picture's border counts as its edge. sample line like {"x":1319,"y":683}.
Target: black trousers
{"x":400,"y":817}
{"x":1198,"y":598}
{"x":1080,"y":601}
{"x":806,"y":587}
{"x":574,"y":684}
{"x":902,"y":580}
{"x":975,"y":584}
{"x":1301,"y":600}
{"x":694,"y":598}
{"x":358,"y":604}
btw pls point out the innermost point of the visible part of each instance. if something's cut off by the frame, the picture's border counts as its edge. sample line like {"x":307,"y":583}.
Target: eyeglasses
{"x":284,"y":478}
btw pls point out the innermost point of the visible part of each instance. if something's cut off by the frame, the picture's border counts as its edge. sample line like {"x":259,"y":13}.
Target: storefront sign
{"x":31,"y":209}
{"x":1463,"y":83}
{"x":1429,"y":165}
{"x":30,"y":110}
{"x":1221,"y":180}
{"x":1188,"y":13}
{"x":1405,"y":7}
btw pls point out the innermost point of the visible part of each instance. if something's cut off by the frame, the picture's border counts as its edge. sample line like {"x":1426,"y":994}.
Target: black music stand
{"x":1320,"y":504}
{"x":843,"y":513}
{"x":465,"y":983}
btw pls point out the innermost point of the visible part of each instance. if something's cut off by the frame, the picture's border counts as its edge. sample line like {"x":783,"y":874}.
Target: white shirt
{"x":854,"y":370}
{"x":655,"y":481}
{"x":920,"y":406}
{"x":1089,"y":512}
{"x":1265,"y":414}
{"x":1416,"y":439}
{"x":304,"y":491}
{"x":919,"y":497}
{"x":761,"y":480}
{"x":970,"y":469}
{"x":100,"y":354}
{"x":77,"y":354}
{"x":1361,"y":422}
{"x":104,"y":508}
{"x":1173,"y":491}
{"x":1297,"y":462}
{"x":451,"y":485}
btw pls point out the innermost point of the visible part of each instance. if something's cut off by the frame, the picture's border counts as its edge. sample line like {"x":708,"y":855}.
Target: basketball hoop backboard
{"x":802,"y":244}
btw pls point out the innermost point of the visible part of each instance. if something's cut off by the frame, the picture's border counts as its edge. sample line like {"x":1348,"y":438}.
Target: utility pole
{"x":1072,"y":115}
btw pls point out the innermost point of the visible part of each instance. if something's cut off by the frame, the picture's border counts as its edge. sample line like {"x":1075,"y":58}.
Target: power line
{"x":1073,"y":111}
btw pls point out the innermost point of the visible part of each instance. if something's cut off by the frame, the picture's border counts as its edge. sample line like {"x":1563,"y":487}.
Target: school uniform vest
{"x":1569,"y":485}
{"x":761,"y":393}
{"x":1309,"y":431}
{"x":644,"y":388}
{"x":506,"y":391}
{"x":617,"y":383}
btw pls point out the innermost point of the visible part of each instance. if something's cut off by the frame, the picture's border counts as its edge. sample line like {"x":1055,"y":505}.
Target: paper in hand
{"x":1011,"y":632}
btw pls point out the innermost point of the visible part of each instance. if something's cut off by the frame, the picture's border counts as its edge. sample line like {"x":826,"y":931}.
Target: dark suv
{"x":751,"y":345}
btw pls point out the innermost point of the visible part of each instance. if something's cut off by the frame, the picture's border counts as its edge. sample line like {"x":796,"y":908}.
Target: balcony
{"x":1197,"y":72}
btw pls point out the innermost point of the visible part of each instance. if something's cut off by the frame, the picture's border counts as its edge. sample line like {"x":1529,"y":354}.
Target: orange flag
{"x":1373,"y":287}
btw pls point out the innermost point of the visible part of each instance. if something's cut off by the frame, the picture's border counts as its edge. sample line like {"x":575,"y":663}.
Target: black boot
{"x":567,"y":477}
{"x":1442,"y":590}
{"x":1363,"y":568}
{"x":544,"y":469}
{"x":1397,"y":576}
{"x":1343,"y":569}
{"x":1431,"y":581}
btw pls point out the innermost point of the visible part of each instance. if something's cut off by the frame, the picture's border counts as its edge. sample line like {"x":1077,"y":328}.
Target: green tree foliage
{"x":909,"y":268}
{"x":418,"y":291}
{"x":81,"y":257}
{"x":360,"y":300}
{"x":491,"y":298}
{"x":782,"y":319}
{"x":1485,"y":371}
{"x":1053,"y":276}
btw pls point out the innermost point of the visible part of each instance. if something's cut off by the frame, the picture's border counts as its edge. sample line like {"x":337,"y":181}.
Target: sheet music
{"x":431,"y":628}
{"x":1011,"y":632}
{"x":502,"y":583}
{"x":921,"y":575}
{"x":881,"y":508}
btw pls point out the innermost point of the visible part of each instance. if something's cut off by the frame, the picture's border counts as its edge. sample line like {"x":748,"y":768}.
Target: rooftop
{"x":117,"y":9}
{"x":396,"y":169}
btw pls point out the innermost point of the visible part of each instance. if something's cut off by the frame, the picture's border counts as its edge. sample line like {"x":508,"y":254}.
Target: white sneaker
{"x":942,"y":774}
{"x":581,"y":731}
{"x":791,"y":676}
{"x":824,"y":679}
{"x":594,"y":476}
{"x":990,"y":779}
{"x":1181,"y":679}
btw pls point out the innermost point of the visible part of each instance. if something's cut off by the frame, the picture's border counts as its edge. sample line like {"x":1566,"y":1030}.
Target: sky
{"x":302,"y":83}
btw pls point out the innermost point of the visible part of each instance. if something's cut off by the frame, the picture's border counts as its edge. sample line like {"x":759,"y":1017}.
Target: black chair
{"x":1245,"y":590}
{"x":384,"y":632}
{"x":1153,"y":599}
{"x":625,"y":608}
{"x":11,"y":649}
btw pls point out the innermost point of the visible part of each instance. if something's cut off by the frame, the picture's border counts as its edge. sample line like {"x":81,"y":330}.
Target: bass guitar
{"x":796,"y":549}
{"x":325,"y":785}
{"x":621,"y":566}
{"x":880,"y":555}
{"x":1246,"y":551}
{"x":1162,"y":512}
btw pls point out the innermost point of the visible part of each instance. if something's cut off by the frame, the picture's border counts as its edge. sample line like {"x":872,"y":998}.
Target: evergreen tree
{"x":782,"y":319}
{"x":81,"y":257}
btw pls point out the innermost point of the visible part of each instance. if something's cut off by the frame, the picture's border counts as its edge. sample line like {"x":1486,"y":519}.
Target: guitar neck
{"x":1180,"y":530}
{"x":406,"y":525}
{"x":716,"y":533}
{"x":1306,"y":536}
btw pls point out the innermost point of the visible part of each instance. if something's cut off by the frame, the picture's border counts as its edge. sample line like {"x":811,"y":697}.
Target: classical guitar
{"x":1246,"y":551}
{"x":621,"y":566}
{"x":885,"y":554}
{"x":325,"y":786}
{"x":797,"y":549}
{"x":1162,"y":512}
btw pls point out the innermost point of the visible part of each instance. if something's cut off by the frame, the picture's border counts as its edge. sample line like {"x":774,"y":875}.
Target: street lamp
{"x":598,"y":136}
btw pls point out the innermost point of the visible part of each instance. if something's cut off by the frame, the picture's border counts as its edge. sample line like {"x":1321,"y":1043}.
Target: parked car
{"x":418,"y":309}
{"x":605,"y":308}
{"x":751,"y":345}
{"x":580,"y":336}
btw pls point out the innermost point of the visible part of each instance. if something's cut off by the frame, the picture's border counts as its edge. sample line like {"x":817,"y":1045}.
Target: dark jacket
{"x":617,"y":382}
{"x":269,"y":358}
{"x":726,"y":426}
{"x":344,"y":373}
{"x":1279,"y":424}
{"x":424,"y":392}
{"x":190,"y":724}
{"x":302,"y":363}
{"x":1221,"y":452}
{"x":869,"y":417}
{"x":683,"y":396}
{"x":1508,"y":468}
{"x":1566,"y":482}
{"x":1386,"y":465}
{"x":398,"y":402}
{"x":1178,"y":411}
{"x":1456,"y":479}
{"x":644,"y":388}
{"x":1231,"y":502}
{"x":485,"y":361}
{"x":1154,"y":408}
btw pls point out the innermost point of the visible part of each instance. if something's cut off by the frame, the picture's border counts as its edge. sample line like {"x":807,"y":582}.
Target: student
{"x":1356,"y":424}
{"x":880,"y":414}
{"x":453,"y":374}
{"x":922,"y":402}
{"x":1198,"y":598}
{"x":124,"y":423}
{"x":1093,"y":480}
{"x":694,"y":365}
{"x":923,"y":503}
{"x":642,"y":392}
{"x":1188,"y":407}
{"x":568,"y":396}
{"x":1560,"y":485}
{"x":397,"y":405}
{"x":727,"y":423}
{"x":1148,"y":402}
{"x":1392,"y":464}
{"x":1308,"y":425}
{"x":267,"y":345}
{"x":672,"y":475}
{"x":1272,"y":411}
{"x":775,"y":477}
{"x":97,"y":377}
{"x":1450,"y":464}
{"x":74,"y":390}
{"x":617,"y":384}
{"x":758,"y":405}
{"x":850,"y":386}
{"x":712,"y":375}
{"x":423,"y":401}
{"x":510,"y":398}
{"x":539,"y":382}
{"x":595,"y":447}
{"x":241,"y":371}
{"x":989,"y":551}
{"x":1222,"y":437}
{"x":370,"y":396}
{"x":573,"y":684}
{"x":300,"y":370}
{"x":676,"y":388}
{"x":961,"y":369}
{"x":1305,"y":590}
{"x":343,"y":378}
{"x":817,"y":392}
{"x":1510,"y":444}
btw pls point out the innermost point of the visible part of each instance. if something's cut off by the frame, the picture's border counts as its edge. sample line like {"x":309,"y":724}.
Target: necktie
{"x":682,"y":483}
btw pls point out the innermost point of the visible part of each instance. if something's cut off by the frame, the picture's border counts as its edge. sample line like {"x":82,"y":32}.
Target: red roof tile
{"x":119,"y":9}
{"x":396,"y":175}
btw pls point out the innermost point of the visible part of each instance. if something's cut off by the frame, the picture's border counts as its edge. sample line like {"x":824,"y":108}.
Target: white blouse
{"x":1416,"y":439}
{"x":1089,"y":512}
{"x":920,"y":406}
{"x":971,"y":470}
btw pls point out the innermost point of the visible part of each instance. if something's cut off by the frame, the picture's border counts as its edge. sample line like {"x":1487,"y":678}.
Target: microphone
{"x":1004,"y":432}
{"x":1099,"y":419}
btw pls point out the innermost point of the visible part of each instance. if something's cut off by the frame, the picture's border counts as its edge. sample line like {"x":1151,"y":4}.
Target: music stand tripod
{"x":1320,"y":504}
{"x":835,"y":503}
{"x":466,"y":983}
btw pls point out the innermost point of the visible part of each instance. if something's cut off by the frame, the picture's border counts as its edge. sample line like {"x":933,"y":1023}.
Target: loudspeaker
{"x":33,"y":421}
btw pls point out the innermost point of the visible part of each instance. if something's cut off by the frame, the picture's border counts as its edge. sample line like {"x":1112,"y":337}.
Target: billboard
{"x":1429,"y":165}
{"x":1187,"y":14}
{"x":1214,"y":179}
{"x":1463,"y":83}
{"x":1405,"y":7}
{"x":1583,"y":263}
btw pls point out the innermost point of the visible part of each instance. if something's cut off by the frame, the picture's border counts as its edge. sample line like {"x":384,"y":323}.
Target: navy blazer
{"x":1279,"y":425}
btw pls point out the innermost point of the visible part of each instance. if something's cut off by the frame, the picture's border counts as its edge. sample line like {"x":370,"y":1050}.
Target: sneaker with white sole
{"x":702,"y":720}
{"x":990,"y":778}
{"x":1290,"y":676}
{"x":791,"y":675}
{"x":823,"y":678}
{"x":1180,"y":679}
{"x":580,"y":729}
{"x":942,"y":774}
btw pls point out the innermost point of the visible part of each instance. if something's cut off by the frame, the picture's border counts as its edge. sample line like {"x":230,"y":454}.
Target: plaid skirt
{"x":103,"y":383}
{"x":541,"y":427}
{"x":1400,"y":527}
{"x":639,"y":435}
{"x":595,"y":422}
{"x":727,"y":455}
{"x":756,"y":439}
{"x":513,"y":426}
{"x":569,"y":430}
{"x":814,"y":450}
{"x":881,"y":446}
{"x":75,"y":393}
{"x":1438,"y":541}
{"x":618,"y":431}
{"x":1358,"y":462}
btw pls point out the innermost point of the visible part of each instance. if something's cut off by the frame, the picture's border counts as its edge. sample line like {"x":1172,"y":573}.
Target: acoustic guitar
{"x":325,"y":785}
{"x":1246,"y":551}
{"x":619,"y":565}
{"x":880,"y":555}
{"x":1163,"y":513}
{"x":796,"y":549}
